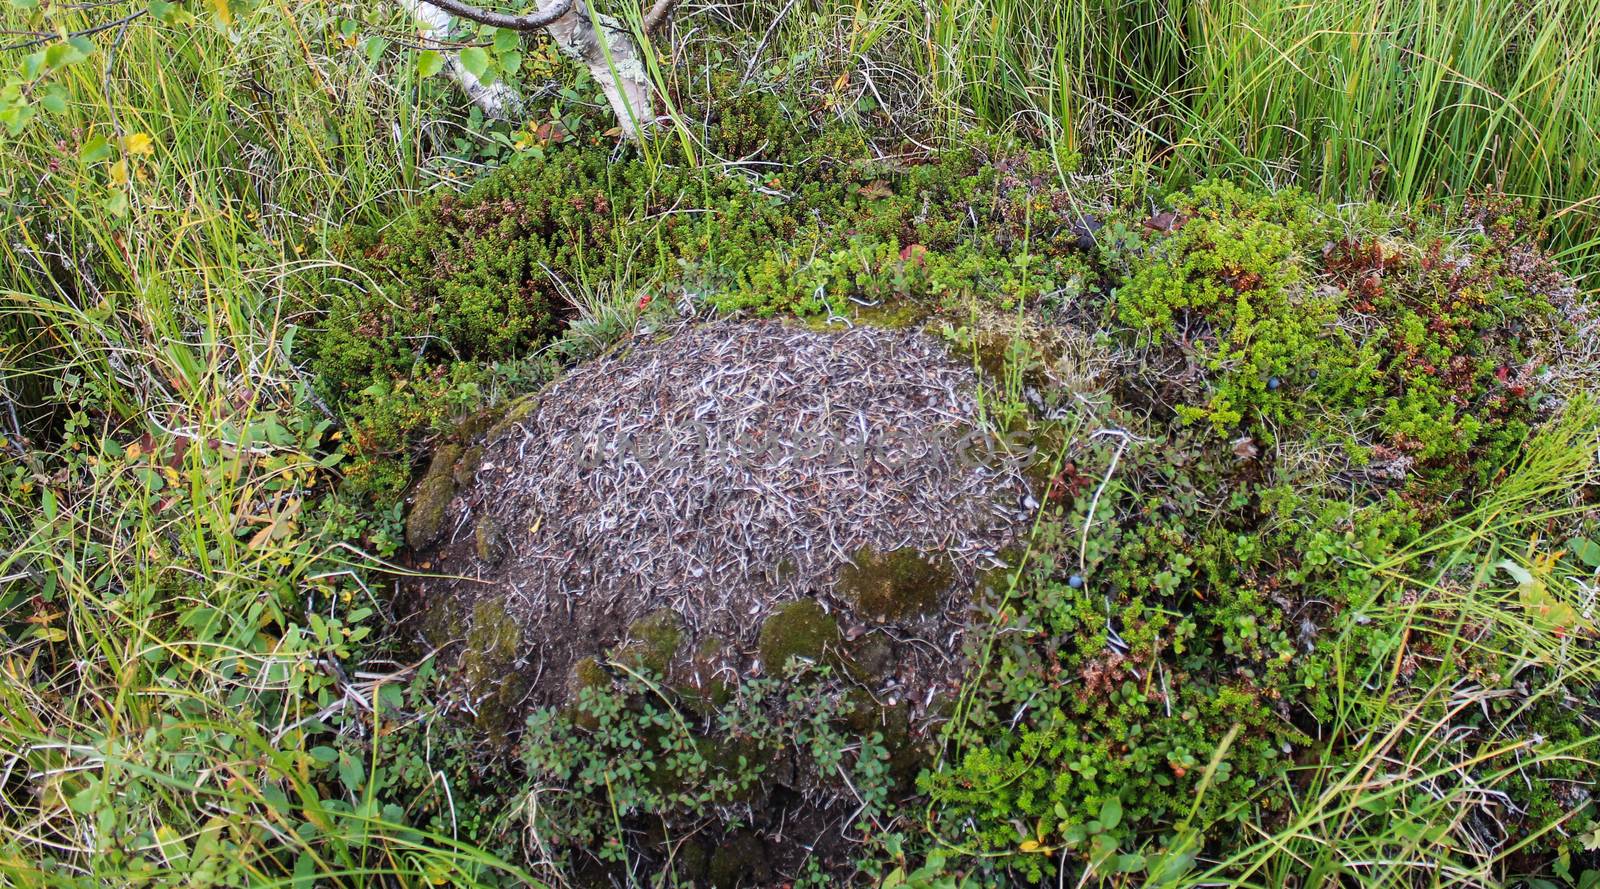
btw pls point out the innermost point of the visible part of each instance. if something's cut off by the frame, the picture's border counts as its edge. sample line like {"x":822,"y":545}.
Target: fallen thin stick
{"x":1094,"y":502}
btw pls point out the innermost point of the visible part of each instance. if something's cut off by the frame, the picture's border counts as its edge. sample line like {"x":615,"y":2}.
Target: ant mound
{"x":726,"y":500}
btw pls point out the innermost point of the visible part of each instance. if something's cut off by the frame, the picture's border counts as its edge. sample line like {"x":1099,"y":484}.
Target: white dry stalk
{"x":600,"y":42}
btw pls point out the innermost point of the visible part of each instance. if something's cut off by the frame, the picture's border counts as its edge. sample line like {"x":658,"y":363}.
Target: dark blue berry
{"x":1273,"y":382}
{"x":1075,"y":581}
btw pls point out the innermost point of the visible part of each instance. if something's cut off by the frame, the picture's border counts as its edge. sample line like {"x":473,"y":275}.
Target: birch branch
{"x":600,"y":42}
{"x":498,"y":100}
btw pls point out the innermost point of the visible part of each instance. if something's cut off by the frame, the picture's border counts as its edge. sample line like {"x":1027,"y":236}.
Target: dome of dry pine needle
{"x":692,"y":484}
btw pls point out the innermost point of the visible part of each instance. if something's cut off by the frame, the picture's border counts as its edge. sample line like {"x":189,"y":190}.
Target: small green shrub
{"x":1183,"y":638}
{"x":1402,"y":342}
{"x":1228,"y":287}
{"x":629,"y":764}
{"x":1316,"y":389}
{"x":440,"y":311}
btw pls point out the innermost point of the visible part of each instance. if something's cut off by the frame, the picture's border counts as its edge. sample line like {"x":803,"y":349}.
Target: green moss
{"x":692,"y":862}
{"x":489,"y":541}
{"x":467,"y":466}
{"x":587,"y":677}
{"x":653,"y":641}
{"x":429,"y":504}
{"x":476,"y":423}
{"x":799,"y":629}
{"x":514,"y":413}
{"x":893,"y":314}
{"x":488,"y":669}
{"x":587,"y":674}
{"x":445,"y":621}
{"x":895,"y":585}
{"x":992,"y":351}
{"x":1048,"y":476}
{"x":874,"y":656}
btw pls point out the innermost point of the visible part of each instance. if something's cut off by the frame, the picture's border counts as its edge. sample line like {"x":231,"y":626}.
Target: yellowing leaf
{"x":167,"y":837}
{"x":119,"y":172}
{"x":139,"y":143}
{"x":1535,"y":594}
{"x":280,"y":525}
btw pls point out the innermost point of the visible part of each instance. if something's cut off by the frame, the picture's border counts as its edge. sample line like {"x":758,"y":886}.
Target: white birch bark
{"x":622,"y":76}
{"x":498,"y":100}
{"x":604,"y":45}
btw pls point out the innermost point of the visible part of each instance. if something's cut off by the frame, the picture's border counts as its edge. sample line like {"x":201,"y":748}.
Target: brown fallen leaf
{"x":1165,"y":222}
{"x":875,"y":190}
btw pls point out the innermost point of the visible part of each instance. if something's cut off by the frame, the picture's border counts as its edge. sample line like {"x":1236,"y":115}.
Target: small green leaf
{"x":1587,"y":551}
{"x":391,"y":696}
{"x":16,"y":117}
{"x":54,"y":100}
{"x":475,"y":60}
{"x":1518,"y":573}
{"x":84,"y":801}
{"x":305,"y":871}
{"x":1111,"y":813}
{"x":506,"y":40}
{"x":429,"y":63}
{"x":58,"y":55}
{"x":117,"y":203}
{"x":351,"y":775}
{"x":323,"y":754}
{"x":94,"y":149}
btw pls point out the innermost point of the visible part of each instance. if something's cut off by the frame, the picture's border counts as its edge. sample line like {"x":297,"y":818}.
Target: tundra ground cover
{"x":201,"y":679}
